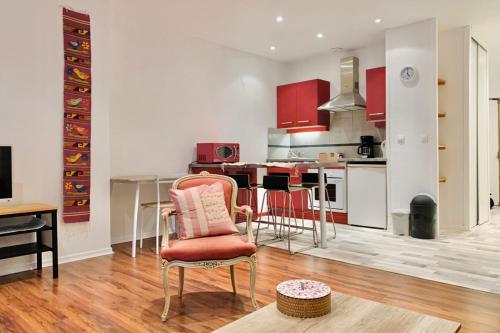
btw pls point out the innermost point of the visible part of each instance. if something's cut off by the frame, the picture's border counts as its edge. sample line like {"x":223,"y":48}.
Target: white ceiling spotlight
{"x":272,"y":48}
{"x":378,"y":20}
{"x":279,"y":19}
{"x":319,"y":35}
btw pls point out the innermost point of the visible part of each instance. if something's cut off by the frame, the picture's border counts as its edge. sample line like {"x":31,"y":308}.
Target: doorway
{"x":479,"y":110}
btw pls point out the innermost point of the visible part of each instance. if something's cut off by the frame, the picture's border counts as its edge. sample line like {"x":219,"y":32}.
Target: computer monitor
{"x":5,"y":173}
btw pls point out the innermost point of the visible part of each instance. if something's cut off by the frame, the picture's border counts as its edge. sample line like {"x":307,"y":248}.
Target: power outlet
{"x":401,"y":139}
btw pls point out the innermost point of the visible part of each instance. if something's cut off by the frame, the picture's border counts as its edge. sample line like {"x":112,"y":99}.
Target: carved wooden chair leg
{"x":253,"y":271}
{"x":181,"y":281}
{"x":167,"y":296}
{"x":233,"y":278}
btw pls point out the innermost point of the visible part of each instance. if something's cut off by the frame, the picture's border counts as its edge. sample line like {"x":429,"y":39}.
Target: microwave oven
{"x":217,"y":152}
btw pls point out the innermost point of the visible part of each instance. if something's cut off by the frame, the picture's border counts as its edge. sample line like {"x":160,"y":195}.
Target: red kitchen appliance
{"x":217,"y":152}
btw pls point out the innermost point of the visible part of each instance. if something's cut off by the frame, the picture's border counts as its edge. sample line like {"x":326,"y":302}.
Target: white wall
{"x":412,"y":113}
{"x":171,"y":91}
{"x":31,"y":118}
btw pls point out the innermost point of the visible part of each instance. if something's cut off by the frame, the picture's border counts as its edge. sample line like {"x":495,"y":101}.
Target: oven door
{"x":334,"y":188}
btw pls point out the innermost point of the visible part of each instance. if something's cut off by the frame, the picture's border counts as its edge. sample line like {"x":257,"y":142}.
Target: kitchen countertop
{"x":287,"y":164}
{"x":291,"y":163}
{"x":366,"y":160}
{"x":346,"y":160}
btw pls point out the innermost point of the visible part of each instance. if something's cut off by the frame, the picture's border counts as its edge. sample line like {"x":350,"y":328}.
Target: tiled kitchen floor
{"x":470,"y":259}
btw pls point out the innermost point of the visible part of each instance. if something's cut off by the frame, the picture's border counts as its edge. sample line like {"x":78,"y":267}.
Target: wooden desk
{"x":37,"y":210}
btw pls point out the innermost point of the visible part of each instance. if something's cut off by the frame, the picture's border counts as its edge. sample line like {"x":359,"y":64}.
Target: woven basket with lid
{"x":303,"y":298}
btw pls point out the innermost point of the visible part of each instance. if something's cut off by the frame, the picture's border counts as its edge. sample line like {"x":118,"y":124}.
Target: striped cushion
{"x":201,"y":211}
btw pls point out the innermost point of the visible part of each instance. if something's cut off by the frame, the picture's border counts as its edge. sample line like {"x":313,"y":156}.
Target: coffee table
{"x":349,"y":314}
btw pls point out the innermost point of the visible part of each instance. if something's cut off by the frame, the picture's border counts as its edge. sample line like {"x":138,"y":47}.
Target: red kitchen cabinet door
{"x":298,"y":104}
{"x":375,"y":94}
{"x":287,"y":105}
{"x":307,"y":100}
{"x":310,"y":95}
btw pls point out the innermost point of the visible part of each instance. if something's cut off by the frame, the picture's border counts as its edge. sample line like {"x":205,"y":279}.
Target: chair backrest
{"x":310,"y":178}
{"x":283,"y":174}
{"x":204,"y":178}
{"x":276,"y":183}
{"x":242,"y":180}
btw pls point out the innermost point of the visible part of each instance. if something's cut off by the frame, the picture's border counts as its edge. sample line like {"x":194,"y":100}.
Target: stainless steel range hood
{"x":349,"y":98}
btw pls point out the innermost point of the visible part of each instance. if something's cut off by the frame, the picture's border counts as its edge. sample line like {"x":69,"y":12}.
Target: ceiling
{"x":250,"y":25}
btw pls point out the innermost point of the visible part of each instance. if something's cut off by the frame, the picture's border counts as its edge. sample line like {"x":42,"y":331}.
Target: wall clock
{"x":408,"y":74}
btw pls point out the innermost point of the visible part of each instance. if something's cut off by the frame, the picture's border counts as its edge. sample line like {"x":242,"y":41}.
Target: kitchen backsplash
{"x":343,"y":137}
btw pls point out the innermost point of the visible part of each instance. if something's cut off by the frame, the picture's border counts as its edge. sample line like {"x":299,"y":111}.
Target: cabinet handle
{"x":376,"y":114}
{"x":303,"y":121}
{"x":286,"y":122}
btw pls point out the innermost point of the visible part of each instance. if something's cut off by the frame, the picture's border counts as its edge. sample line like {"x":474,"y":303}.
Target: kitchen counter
{"x":286,"y":164}
{"x":290,"y":163}
{"x":292,"y":160}
{"x":344,"y":160}
{"x":373,"y":160}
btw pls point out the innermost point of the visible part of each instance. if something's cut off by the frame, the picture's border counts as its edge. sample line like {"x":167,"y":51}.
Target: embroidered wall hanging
{"x":77,"y":116}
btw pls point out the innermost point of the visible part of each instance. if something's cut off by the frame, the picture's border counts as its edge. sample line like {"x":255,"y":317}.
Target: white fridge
{"x":367,"y":195}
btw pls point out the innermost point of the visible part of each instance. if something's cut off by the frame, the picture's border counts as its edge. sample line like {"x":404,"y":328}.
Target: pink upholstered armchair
{"x":213,"y":251}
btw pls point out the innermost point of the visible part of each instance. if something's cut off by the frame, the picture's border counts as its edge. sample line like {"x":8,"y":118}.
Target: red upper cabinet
{"x":375,"y":94}
{"x":298,"y":104}
{"x":287,"y":106}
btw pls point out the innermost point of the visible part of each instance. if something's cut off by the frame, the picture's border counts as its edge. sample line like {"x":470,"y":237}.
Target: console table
{"x":38,"y":247}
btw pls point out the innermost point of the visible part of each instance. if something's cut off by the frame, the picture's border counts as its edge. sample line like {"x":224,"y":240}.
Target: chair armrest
{"x":165,"y":213}
{"x":247,"y":210}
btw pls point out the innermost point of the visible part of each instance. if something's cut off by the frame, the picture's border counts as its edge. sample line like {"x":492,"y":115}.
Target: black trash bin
{"x":423,"y":217}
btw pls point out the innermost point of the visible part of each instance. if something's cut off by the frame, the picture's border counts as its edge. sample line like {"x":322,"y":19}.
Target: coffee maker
{"x":365,"y":150}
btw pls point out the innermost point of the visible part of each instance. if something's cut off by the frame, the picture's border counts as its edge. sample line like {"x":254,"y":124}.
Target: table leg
{"x":39,"y":253}
{"x":136,"y":212}
{"x":157,"y":213}
{"x":55,"y":260}
{"x":38,"y":244}
{"x":322,"y":207}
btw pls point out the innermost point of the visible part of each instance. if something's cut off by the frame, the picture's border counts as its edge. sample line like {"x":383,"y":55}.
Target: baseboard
{"x":128,"y":238}
{"x":27,"y":266}
{"x":80,"y":256}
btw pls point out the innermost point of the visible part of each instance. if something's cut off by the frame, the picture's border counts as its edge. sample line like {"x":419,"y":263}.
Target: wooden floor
{"x":120,"y":294}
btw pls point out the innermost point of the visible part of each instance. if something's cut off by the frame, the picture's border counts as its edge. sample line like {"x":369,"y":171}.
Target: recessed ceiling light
{"x":279,"y":19}
{"x":272,"y":48}
{"x":378,"y":20}
{"x":319,"y":35}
